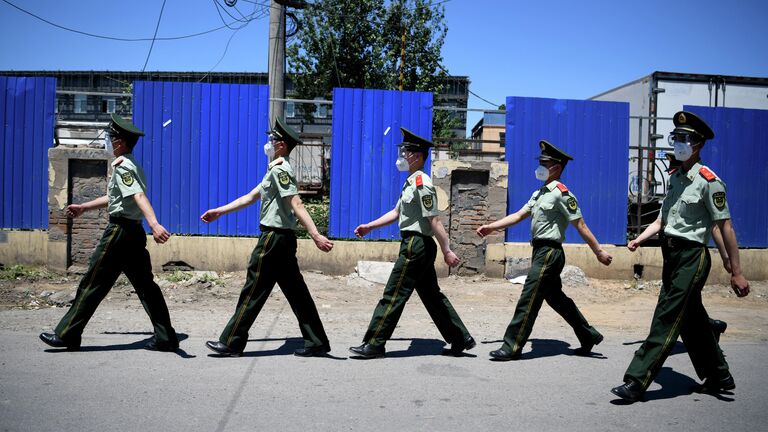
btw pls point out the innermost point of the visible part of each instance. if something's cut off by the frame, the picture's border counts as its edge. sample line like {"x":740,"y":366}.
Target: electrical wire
{"x":152,"y":45}
{"x":222,"y":55}
{"x":470,"y":91}
{"x":220,"y":7}
{"x":226,"y":48}
{"x":120,"y":39}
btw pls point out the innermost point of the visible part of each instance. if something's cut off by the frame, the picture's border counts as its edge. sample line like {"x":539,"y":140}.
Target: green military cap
{"x":413,"y":142}
{"x":550,"y":152}
{"x":286,"y":133}
{"x":122,"y":127}
{"x":689,"y":123}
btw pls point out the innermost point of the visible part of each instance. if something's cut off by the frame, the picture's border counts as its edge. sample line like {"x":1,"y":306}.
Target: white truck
{"x":653,"y":100}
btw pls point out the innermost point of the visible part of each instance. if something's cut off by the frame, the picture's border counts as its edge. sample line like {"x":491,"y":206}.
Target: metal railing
{"x":647,"y":182}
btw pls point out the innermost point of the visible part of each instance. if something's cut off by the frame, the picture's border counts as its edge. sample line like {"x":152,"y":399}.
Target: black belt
{"x":407,"y":234}
{"x":679,"y":243}
{"x":544,"y":242}
{"x":124,"y":221}
{"x":265,"y":228}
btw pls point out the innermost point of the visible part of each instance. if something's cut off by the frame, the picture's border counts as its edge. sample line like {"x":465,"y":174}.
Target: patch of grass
{"x":21,"y":272}
{"x":318,"y":209}
{"x":178,"y":276}
{"x":209,"y":278}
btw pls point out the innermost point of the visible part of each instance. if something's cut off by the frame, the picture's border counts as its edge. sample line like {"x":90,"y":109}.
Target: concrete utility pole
{"x":276,"y":61}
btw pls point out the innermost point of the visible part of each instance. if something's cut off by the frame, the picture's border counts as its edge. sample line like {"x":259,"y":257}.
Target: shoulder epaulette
{"x":707,"y":174}
{"x":119,"y":161}
{"x":563,"y":188}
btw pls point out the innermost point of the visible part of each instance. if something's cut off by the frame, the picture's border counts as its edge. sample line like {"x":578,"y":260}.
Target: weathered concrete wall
{"x":754,"y":262}
{"x":23,"y":247}
{"x":88,"y":179}
{"x":232,"y":254}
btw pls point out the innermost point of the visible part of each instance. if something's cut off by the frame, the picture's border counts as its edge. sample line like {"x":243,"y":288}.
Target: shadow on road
{"x":674,"y":384}
{"x":287,"y":348}
{"x":136,"y":345}
{"x":548,"y":348}
{"x":419,"y":347}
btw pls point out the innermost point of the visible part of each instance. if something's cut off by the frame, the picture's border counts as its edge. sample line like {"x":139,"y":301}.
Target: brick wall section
{"x":75,"y":175}
{"x":469,"y":210}
{"x":478,"y":197}
{"x":87,"y":181}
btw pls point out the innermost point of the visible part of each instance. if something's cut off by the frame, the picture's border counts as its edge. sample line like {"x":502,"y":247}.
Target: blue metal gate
{"x":739,"y":156}
{"x":202,"y":149}
{"x":366,"y":129}
{"x":596,"y":134}
{"x":26,"y":116}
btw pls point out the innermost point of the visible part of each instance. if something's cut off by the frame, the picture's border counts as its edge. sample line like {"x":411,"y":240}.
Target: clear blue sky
{"x":548,"y":48}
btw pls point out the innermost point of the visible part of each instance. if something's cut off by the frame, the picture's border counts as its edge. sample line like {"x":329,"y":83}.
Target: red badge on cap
{"x":563,"y":188}
{"x":707,"y":174}
{"x":419,"y":181}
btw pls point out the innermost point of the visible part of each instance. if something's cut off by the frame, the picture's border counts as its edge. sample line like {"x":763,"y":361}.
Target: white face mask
{"x":542,"y":173}
{"x":269,"y":149}
{"x":683,"y":151}
{"x":401,"y":164}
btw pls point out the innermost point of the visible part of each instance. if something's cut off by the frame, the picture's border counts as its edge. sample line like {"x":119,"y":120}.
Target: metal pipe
{"x":468,"y":109}
{"x":92,"y":93}
{"x":313,"y":101}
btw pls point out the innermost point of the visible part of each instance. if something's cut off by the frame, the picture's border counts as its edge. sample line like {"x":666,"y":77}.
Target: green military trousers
{"x":122,"y":248}
{"x":543,"y":283}
{"x":414,"y":269}
{"x":679,"y":312}
{"x":274,"y":261}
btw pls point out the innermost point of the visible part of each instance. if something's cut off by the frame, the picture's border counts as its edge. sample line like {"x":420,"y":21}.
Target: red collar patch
{"x":707,"y":174}
{"x":419,"y":181}
{"x":563,"y":188}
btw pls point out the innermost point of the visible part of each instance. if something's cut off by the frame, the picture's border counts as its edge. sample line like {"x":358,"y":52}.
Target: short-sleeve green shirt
{"x":694,"y":200}
{"x":279,"y":182}
{"x":417,"y":203}
{"x":551,"y":208}
{"x":127,"y":180}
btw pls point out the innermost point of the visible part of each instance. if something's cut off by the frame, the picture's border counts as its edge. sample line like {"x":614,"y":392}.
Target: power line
{"x":152,"y":45}
{"x":220,"y":7}
{"x":470,"y":91}
{"x":222,"y":55}
{"x":226,"y":48}
{"x":120,"y":39}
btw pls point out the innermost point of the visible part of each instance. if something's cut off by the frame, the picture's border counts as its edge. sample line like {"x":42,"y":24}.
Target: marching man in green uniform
{"x":718,"y":326}
{"x":552,"y":207}
{"x":417,"y":216}
{"x":274,"y":258}
{"x":122,"y":249}
{"x":695,"y":201}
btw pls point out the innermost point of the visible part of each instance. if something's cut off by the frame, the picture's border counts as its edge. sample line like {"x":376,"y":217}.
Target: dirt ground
{"x":203,"y":301}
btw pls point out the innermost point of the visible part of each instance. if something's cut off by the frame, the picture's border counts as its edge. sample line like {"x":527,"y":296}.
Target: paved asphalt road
{"x":114,"y":385}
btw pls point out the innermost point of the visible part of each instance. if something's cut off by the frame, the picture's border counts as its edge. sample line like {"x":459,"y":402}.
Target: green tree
{"x":359,"y":44}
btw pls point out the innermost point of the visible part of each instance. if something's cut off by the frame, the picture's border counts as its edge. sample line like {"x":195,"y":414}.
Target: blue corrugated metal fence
{"x":26,"y":116}
{"x":202,"y":149}
{"x":366,"y":129}
{"x":739,"y":155}
{"x":596,"y":134}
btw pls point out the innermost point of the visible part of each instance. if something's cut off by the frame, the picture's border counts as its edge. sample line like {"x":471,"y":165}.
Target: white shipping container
{"x":655,"y":98}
